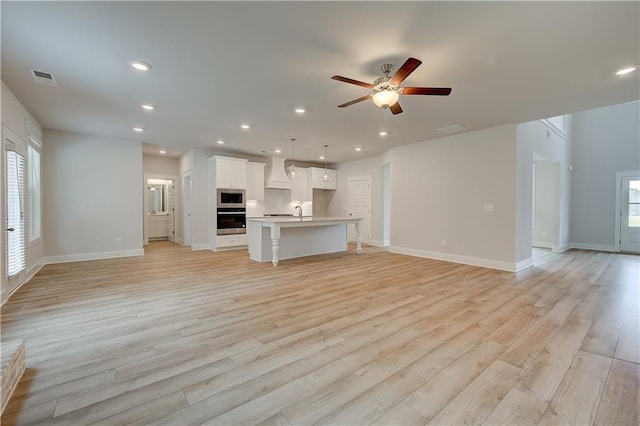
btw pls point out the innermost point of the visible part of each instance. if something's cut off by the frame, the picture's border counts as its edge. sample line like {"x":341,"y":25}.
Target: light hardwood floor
{"x":179,"y":337}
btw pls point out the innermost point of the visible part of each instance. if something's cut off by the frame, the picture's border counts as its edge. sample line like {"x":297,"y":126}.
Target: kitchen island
{"x":275,"y":238}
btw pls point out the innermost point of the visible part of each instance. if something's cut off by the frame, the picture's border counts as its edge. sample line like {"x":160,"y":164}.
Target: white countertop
{"x":305,"y":219}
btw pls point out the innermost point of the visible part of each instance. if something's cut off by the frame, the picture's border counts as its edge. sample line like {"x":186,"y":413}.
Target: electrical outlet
{"x":118,"y":240}
{"x":443,"y":243}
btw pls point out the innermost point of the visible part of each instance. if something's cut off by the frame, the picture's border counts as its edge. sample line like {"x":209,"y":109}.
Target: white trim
{"x":204,"y":246}
{"x":374,"y":243}
{"x":560,"y":249}
{"x":541,"y":244}
{"x":553,"y":128}
{"x":596,"y":247}
{"x":31,"y":272}
{"x":93,"y":256}
{"x":466,"y":260}
{"x":619,"y":176}
{"x":180,"y":241}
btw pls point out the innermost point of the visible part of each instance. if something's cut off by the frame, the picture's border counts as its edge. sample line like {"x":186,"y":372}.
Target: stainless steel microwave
{"x":231,"y":198}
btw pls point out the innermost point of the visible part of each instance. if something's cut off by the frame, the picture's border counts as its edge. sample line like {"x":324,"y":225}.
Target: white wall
{"x":16,"y":117}
{"x":161,"y":166}
{"x":438,"y":192}
{"x":93,"y":197}
{"x":605,"y":140}
{"x":439,"y":188}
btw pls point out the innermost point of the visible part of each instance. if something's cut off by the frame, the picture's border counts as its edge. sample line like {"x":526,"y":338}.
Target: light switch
{"x":488,"y":208}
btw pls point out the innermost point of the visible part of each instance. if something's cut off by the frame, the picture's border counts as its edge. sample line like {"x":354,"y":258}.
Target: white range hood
{"x":276,"y":176}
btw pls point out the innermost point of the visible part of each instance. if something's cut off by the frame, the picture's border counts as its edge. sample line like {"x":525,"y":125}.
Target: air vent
{"x":43,"y":77}
{"x":456,"y":128}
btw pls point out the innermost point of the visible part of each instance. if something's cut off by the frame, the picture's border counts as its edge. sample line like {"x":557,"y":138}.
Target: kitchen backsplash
{"x":277,"y":201}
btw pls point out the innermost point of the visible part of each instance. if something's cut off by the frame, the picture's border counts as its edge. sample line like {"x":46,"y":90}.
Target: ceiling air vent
{"x":449,"y":130}
{"x":43,"y":77}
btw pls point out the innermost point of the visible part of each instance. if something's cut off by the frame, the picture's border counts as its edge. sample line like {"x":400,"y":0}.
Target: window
{"x":16,"y":259}
{"x":634,"y":204}
{"x":34,"y":191}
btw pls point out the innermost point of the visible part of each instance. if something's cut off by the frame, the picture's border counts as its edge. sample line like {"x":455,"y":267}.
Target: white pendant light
{"x":293,"y":156}
{"x":325,"y":177}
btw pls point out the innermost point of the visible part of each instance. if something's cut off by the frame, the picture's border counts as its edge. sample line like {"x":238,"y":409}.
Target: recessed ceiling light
{"x":278,"y":151}
{"x":148,"y":107}
{"x":383,"y":133}
{"x":163,"y":151}
{"x":138,"y":129}
{"x":358,"y":149}
{"x":140,"y":66}
{"x":300,"y":111}
{"x":245,"y":126}
{"x":220,"y":142}
{"x":626,"y":70}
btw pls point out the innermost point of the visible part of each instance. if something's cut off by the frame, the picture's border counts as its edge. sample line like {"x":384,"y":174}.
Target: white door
{"x":171,"y":212}
{"x":359,"y":205}
{"x":186,"y":190}
{"x":15,"y":248}
{"x":630,"y":214}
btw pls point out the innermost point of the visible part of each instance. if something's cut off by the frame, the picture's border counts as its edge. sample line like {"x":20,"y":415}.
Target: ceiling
{"x":217,"y":65}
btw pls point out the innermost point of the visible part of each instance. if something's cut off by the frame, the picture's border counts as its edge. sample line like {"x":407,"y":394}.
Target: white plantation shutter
{"x":15,"y":213}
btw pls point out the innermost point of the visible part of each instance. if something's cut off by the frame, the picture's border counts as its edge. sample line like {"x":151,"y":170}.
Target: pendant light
{"x":325,"y":177}
{"x":293,"y":162}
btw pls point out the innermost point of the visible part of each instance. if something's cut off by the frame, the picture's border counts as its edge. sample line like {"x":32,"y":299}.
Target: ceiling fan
{"x":387,"y":90}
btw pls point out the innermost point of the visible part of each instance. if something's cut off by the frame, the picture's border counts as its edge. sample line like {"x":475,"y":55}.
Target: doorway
{"x":386,"y":205}
{"x":628,"y":211}
{"x":159,"y":210}
{"x":359,"y":205}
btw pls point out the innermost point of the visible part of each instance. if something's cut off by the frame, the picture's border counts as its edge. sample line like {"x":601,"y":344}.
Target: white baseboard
{"x":180,"y":241}
{"x":196,"y":247}
{"x":466,"y":260}
{"x":93,"y":256}
{"x":541,"y":244}
{"x":524,"y":264}
{"x":596,"y":247}
{"x":27,"y":277}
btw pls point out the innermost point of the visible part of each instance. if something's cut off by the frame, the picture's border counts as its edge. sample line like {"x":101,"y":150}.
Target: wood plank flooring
{"x":179,"y":338}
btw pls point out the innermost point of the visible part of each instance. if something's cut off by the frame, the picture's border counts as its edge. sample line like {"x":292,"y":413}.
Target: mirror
{"x":155,"y":198}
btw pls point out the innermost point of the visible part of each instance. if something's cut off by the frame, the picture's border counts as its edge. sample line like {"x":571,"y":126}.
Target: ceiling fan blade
{"x":352,"y":81}
{"x":355,"y":101}
{"x":435,"y":91}
{"x":407,"y":68}
{"x":395,"y":108}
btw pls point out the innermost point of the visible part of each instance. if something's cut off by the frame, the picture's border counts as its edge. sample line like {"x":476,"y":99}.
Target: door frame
{"x":9,"y":136}
{"x":187,"y":195}
{"x":619,"y":176}
{"x":145,"y":221}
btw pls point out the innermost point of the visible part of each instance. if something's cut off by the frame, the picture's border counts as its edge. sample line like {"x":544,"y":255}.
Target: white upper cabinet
{"x":255,"y":181}
{"x":316,"y":175}
{"x":300,"y":189}
{"x":230,"y":173}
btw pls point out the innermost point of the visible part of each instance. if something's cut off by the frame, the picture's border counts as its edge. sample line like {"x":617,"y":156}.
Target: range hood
{"x":276,"y":177}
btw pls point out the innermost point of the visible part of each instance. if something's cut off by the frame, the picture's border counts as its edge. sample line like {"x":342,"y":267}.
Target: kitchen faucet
{"x":299,"y":211}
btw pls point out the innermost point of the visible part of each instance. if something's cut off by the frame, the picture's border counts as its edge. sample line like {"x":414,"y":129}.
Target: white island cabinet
{"x":275,"y":238}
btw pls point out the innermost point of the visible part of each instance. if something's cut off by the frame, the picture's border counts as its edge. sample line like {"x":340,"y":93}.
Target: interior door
{"x":15,"y":247}
{"x":630,"y":214}
{"x":359,"y":205}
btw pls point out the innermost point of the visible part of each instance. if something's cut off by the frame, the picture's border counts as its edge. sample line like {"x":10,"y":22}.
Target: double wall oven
{"x":231,"y":211}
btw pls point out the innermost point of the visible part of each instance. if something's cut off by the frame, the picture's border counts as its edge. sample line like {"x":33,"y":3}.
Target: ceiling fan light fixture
{"x":386,"y":98}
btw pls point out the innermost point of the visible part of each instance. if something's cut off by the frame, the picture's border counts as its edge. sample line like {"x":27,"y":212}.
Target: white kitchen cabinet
{"x":255,"y":181}
{"x":301,"y":190}
{"x":316,"y":174}
{"x":236,"y":240}
{"x":230,"y":173}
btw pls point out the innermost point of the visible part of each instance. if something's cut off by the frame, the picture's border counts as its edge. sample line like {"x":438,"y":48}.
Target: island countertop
{"x":305,"y":219}
{"x":275,"y":238}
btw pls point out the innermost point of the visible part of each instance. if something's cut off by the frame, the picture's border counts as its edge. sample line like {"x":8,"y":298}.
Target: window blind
{"x":16,"y":259}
